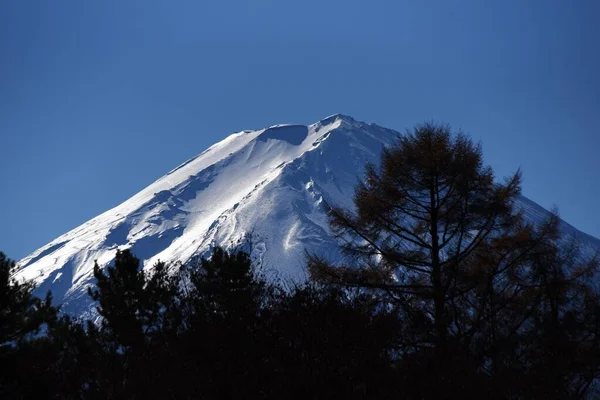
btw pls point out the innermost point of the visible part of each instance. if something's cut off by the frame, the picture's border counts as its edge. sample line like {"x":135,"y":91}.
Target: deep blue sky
{"x":100,"y":98}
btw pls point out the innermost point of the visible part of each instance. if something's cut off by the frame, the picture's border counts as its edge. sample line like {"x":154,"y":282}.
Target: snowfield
{"x":263,"y":189}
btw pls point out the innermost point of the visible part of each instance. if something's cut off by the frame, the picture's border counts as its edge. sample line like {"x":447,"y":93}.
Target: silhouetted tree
{"x":418,"y":219}
{"x":331,"y":343}
{"x":23,"y":318}
{"x":236,"y":336}
{"x":559,"y":344}
{"x":222,"y":344}
{"x":434,"y":231}
{"x":140,"y":319}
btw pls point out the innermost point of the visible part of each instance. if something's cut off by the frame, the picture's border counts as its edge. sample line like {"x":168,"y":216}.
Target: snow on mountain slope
{"x":264,"y":189}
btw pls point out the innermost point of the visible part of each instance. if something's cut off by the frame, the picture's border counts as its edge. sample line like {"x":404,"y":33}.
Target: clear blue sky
{"x":100,"y":98}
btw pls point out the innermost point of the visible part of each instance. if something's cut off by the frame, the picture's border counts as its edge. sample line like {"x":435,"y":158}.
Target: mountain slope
{"x":263,"y":189}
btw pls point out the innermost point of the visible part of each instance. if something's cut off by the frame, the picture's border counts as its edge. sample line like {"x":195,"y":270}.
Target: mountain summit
{"x":263,"y":190}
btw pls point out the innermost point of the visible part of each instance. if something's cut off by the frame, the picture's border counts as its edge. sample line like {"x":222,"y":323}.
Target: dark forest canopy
{"x":447,"y":293}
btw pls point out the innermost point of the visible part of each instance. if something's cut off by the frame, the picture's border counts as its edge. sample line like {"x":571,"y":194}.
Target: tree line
{"x":444,"y":291}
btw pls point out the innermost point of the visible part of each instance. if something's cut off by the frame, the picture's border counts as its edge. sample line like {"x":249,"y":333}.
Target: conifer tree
{"x":560,"y":342}
{"x":223,"y":342}
{"x":140,"y":319}
{"x":226,"y":286}
{"x":434,"y":231}
{"x":131,"y":302}
{"x":324,"y":342}
{"x":23,"y":318}
{"x":418,"y":218}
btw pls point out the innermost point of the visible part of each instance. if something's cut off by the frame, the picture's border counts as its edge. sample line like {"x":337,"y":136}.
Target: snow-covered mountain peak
{"x":264,"y":190}
{"x":336,"y":117}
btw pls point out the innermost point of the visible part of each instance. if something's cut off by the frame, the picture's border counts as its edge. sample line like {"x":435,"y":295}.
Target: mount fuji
{"x":262,"y":190}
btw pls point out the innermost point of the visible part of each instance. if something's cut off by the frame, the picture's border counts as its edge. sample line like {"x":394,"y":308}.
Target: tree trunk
{"x":436,"y":280}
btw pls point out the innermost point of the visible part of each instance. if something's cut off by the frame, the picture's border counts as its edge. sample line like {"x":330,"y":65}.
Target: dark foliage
{"x":23,"y":319}
{"x":486,"y":300}
{"x":211,"y":330}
